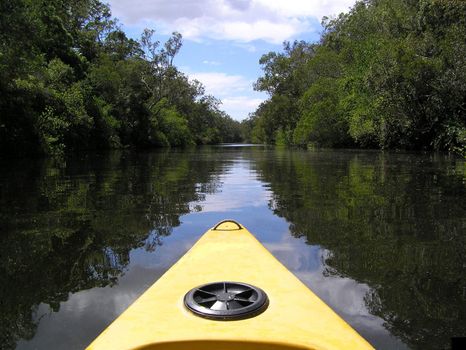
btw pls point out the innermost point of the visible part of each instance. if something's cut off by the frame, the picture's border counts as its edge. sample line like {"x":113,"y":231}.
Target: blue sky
{"x":223,"y":40}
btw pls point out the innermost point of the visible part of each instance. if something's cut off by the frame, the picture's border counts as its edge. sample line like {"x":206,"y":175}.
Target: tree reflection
{"x":70,"y":227}
{"x":393,"y":221}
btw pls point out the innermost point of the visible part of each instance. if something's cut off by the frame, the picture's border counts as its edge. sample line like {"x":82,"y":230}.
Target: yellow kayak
{"x":229,"y":292}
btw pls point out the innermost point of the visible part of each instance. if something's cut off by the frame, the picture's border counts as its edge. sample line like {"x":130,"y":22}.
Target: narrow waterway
{"x":380,"y":237}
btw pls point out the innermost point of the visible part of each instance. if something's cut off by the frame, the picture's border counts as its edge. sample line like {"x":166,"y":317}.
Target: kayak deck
{"x":294,"y":319}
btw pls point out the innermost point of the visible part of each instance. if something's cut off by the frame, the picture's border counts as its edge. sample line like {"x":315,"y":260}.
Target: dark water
{"x":381,"y":237}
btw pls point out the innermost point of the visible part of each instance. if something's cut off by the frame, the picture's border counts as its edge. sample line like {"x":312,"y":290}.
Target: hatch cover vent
{"x":226,"y":301}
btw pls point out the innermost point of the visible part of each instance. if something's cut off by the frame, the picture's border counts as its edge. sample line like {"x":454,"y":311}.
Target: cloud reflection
{"x":344,"y":295}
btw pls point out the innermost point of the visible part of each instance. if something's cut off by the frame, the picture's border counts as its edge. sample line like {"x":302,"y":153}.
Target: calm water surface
{"x":380,"y":237}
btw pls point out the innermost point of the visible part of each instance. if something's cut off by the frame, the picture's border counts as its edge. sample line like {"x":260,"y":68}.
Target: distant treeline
{"x":71,"y":79}
{"x":389,"y":74}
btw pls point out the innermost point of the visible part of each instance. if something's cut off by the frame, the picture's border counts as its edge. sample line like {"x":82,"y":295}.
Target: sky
{"x":223,"y":40}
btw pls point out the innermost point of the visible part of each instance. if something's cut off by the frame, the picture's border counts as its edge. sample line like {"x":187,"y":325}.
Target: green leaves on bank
{"x":71,"y":79}
{"x":389,"y":74}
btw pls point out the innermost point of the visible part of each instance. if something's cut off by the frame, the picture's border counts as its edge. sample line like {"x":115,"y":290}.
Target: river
{"x":379,"y":236}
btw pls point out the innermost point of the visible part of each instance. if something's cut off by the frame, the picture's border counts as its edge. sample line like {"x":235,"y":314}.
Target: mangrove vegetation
{"x":388,"y":74}
{"x":71,"y":79}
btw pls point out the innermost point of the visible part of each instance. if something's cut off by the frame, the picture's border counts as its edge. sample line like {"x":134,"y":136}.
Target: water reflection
{"x":380,"y":237}
{"x":71,"y":227}
{"x":393,"y":222}
{"x":345,"y":295}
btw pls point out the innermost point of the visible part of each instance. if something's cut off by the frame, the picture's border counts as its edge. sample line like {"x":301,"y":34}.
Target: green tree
{"x":71,"y":79}
{"x":388,"y":74}
{"x":285,"y":80}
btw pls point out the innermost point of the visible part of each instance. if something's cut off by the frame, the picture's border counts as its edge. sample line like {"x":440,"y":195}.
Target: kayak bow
{"x":229,"y":292}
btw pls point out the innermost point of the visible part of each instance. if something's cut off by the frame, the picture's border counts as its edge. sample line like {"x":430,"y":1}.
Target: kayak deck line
{"x":293,"y":319}
{"x":221,"y":345}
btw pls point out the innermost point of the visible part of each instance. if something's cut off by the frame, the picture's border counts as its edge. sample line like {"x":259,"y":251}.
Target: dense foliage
{"x":388,"y":74}
{"x":70,"y":79}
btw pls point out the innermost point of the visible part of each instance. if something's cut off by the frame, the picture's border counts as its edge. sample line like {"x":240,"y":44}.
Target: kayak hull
{"x":295,"y":317}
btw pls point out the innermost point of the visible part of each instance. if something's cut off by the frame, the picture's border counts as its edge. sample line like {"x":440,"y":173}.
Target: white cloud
{"x":235,"y":92}
{"x":239,"y":20}
{"x":211,"y":63}
{"x":221,"y":84}
{"x":307,"y":8}
{"x":247,"y":47}
{"x":239,"y":107}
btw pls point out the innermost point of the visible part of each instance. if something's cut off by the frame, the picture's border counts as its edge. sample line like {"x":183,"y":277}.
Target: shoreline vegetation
{"x":389,"y":74}
{"x":70,"y":80}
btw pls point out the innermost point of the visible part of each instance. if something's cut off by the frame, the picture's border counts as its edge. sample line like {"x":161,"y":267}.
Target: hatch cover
{"x":226,"y":300}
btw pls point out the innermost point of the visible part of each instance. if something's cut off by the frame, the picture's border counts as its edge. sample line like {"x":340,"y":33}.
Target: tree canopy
{"x":71,"y":79}
{"x":389,"y":74}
